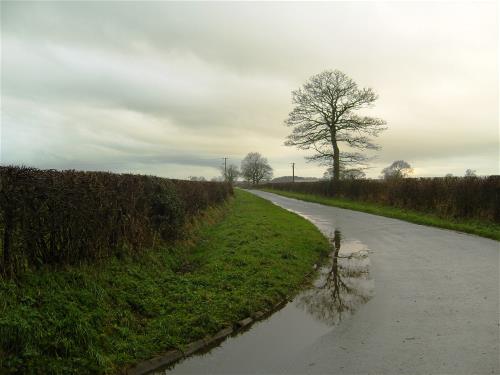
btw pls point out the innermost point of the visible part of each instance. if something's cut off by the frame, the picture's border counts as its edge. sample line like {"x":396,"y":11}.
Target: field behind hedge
{"x":65,"y":217}
{"x":475,"y":198}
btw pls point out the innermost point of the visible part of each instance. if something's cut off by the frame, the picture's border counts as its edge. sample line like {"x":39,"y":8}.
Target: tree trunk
{"x":336,"y":161}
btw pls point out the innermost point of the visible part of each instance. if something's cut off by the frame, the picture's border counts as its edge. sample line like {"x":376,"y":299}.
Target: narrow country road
{"x":430,"y":305}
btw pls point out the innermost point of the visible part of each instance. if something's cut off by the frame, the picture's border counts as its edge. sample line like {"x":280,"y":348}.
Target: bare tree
{"x":324,"y":116}
{"x":470,"y":173}
{"x":398,"y":169}
{"x":255,"y":168}
{"x":231,"y":173}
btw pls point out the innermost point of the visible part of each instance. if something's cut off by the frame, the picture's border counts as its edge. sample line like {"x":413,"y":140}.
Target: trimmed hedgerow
{"x":449,"y":197}
{"x":101,"y":318}
{"x":64,"y":217}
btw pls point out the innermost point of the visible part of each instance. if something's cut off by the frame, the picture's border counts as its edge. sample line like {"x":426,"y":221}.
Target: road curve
{"x":435,"y":306}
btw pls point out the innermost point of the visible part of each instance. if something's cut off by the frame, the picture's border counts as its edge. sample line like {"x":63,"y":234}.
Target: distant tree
{"x":196,"y":178}
{"x":470,"y":173}
{"x":448,"y":175}
{"x":345,"y":174}
{"x":231,"y":173}
{"x":255,"y":168}
{"x":217,"y":179}
{"x":398,"y":169}
{"x":324,"y":117}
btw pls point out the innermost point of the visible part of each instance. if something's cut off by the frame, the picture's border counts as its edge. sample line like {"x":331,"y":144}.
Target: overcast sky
{"x":171,"y":88}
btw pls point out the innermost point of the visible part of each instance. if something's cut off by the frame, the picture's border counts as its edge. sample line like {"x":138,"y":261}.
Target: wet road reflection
{"x":342,"y":286}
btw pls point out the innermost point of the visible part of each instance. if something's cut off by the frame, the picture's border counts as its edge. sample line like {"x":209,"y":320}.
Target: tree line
{"x":255,"y":169}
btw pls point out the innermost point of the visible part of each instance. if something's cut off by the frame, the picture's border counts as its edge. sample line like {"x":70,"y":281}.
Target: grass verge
{"x":102,"y":318}
{"x":480,"y":228}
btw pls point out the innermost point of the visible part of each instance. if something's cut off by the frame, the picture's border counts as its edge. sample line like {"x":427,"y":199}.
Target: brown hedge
{"x":449,"y":197}
{"x":54,"y":217}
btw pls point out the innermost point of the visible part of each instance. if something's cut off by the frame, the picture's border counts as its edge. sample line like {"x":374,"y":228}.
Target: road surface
{"x":430,"y":304}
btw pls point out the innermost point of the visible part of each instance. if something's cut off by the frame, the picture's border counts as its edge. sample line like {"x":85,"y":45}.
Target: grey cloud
{"x":140,"y":84}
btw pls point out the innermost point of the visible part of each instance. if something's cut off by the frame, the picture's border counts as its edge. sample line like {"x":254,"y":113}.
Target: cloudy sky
{"x":171,"y":88}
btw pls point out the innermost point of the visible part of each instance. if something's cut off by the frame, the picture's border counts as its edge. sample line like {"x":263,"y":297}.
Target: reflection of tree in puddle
{"x":343,"y":285}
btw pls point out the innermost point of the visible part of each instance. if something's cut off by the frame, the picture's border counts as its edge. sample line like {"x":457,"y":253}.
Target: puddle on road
{"x":342,"y":286}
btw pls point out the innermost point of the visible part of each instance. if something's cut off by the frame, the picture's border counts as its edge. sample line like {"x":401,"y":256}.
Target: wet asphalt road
{"x":434,"y":308}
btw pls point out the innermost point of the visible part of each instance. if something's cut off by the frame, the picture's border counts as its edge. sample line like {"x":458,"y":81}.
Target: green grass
{"x":480,"y":228}
{"x":101,"y":318}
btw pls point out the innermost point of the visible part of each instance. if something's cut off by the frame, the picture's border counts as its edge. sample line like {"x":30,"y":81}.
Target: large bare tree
{"x":325,"y":116}
{"x":255,"y":168}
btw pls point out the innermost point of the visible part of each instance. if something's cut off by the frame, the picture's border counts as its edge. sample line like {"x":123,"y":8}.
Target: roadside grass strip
{"x":101,"y":318}
{"x":479,"y":228}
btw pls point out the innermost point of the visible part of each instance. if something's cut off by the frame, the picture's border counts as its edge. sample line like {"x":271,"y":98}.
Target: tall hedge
{"x":449,"y":197}
{"x":54,"y":217}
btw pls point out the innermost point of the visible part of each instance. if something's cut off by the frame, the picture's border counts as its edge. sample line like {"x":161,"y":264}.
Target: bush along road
{"x":108,"y":315}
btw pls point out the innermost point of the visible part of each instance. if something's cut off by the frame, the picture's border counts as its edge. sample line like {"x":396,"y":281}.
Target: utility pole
{"x":225,"y":169}
{"x":293,"y":172}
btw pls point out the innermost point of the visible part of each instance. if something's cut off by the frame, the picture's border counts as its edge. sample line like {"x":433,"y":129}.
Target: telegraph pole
{"x":225,"y":169}
{"x":293,"y":172}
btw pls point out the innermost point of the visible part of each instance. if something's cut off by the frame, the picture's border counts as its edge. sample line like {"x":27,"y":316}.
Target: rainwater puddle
{"x":342,"y":286}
